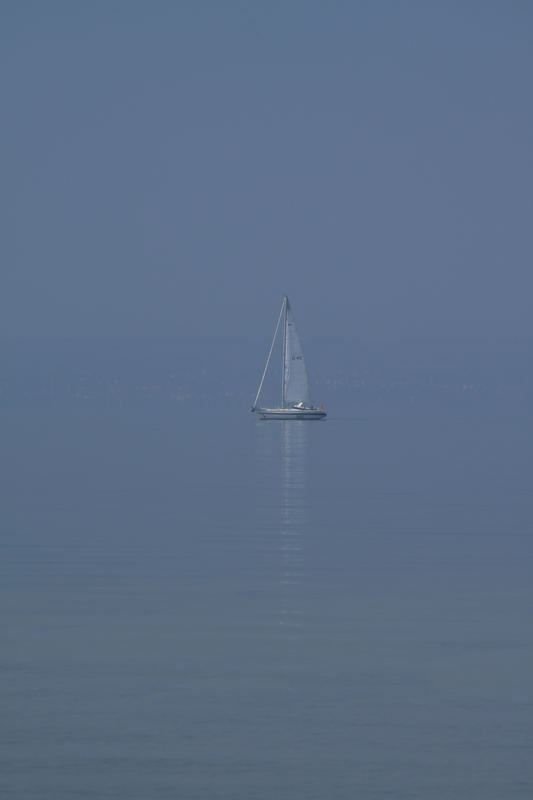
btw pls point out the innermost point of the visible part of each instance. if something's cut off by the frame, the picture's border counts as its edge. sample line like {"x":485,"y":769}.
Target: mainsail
{"x":295,"y":380}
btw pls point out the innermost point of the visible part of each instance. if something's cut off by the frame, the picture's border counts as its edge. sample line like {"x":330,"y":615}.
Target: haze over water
{"x":197,"y":604}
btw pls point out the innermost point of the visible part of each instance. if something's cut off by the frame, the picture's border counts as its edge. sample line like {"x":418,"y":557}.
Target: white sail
{"x":295,"y":380}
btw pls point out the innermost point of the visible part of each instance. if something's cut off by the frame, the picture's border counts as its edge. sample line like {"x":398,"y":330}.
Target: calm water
{"x":199,"y":606}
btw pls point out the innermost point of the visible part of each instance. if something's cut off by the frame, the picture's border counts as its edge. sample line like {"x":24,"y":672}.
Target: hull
{"x":290,"y":413}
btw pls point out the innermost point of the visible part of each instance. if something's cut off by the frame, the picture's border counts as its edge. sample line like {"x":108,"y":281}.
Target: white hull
{"x":290,"y":413}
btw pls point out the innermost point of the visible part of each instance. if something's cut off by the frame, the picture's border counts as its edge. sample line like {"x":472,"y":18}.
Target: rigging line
{"x":269,"y":355}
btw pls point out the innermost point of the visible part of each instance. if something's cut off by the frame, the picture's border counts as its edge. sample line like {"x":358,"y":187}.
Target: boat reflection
{"x":294,"y":507}
{"x":283,"y":509}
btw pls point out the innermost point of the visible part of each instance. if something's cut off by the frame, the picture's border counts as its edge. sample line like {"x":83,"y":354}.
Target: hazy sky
{"x":173,"y":168}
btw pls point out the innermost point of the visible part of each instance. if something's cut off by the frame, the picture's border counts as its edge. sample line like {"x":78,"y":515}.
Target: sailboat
{"x":295,"y":395}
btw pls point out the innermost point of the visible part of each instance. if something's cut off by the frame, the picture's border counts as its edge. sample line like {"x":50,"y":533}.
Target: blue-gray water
{"x":197,"y":604}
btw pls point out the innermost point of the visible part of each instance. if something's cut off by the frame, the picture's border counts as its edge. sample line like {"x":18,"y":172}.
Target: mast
{"x":284,"y":361}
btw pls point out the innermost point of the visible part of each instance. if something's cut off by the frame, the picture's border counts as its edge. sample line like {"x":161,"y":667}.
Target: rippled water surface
{"x":204,"y":605}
